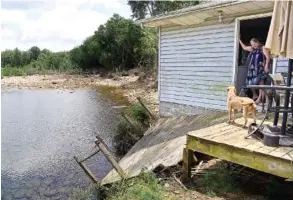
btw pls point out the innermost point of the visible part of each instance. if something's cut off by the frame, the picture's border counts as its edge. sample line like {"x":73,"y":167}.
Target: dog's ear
{"x":235,"y":90}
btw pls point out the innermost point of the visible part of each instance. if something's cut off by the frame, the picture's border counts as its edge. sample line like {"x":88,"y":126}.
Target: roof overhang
{"x":209,"y":11}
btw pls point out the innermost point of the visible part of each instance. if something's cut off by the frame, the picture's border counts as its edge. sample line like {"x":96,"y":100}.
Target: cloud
{"x":54,"y":24}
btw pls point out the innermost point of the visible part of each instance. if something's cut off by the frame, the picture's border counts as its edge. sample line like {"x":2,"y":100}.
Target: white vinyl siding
{"x":196,"y":65}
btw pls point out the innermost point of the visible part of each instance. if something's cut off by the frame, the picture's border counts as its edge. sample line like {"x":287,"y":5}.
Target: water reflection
{"x":41,"y":132}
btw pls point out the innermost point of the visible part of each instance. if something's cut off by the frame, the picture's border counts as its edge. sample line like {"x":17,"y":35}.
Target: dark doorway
{"x":251,"y":28}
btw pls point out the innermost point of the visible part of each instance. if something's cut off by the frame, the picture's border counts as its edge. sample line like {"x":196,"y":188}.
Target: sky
{"x":57,"y":25}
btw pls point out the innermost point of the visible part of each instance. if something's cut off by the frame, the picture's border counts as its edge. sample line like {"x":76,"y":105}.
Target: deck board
{"x":279,"y":152}
{"x":227,"y":141}
{"x":288,"y":155}
{"x":213,"y":132}
{"x":237,"y":134}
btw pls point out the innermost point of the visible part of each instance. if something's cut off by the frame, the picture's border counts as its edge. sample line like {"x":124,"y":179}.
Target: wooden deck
{"x":227,"y":142}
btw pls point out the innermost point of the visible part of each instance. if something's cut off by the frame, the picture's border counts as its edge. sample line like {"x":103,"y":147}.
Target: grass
{"x":90,"y":193}
{"x":29,"y":70}
{"x":218,"y":181}
{"x":143,"y":187}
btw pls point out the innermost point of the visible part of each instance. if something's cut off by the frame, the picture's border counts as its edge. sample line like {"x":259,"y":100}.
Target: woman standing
{"x":258,"y":67}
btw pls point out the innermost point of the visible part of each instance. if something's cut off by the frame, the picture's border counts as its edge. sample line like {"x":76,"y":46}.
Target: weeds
{"x":93,"y":192}
{"x":218,"y":181}
{"x":140,"y":114}
{"x":127,"y":135}
{"x":145,"y":186}
{"x":13,"y":71}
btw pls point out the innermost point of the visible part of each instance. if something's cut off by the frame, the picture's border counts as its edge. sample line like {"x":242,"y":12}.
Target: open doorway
{"x":250,"y":28}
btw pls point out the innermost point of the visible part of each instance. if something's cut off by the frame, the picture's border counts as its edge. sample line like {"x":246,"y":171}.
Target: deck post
{"x":187,"y":161}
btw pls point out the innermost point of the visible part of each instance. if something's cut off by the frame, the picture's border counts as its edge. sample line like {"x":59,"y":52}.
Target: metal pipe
{"x":276,"y":116}
{"x":287,"y":96}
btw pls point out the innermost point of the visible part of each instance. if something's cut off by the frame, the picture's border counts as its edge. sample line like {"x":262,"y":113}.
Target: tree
{"x":142,"y":9}
{"x":46,"y":51}
{"x":35,"y":52}
{"x":16,"y":58}
{"x":117,"y":40}
{"x":25,"y":58}
{"x":6,"y":58}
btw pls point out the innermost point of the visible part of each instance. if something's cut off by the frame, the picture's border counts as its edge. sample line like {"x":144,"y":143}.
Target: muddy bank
{"x":120,"y":88}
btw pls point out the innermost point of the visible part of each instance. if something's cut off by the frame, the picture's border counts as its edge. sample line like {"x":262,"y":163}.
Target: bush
{"x":224,"y":183}
{"x":12,"y":71}
{"x":126,"y":137}
{"x":140,"y":114}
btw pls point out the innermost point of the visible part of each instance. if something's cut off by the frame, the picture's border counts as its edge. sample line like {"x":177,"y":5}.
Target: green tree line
{"x":36,"y":58}
{"x":116,"y":45}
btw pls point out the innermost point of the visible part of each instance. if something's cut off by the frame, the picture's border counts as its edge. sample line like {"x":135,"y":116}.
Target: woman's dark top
{"x":256,"y":67}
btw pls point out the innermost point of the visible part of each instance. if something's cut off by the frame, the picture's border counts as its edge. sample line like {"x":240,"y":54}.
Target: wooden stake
{"x":142,"y":104}
{"x":132,"y":124}
{"x":87,"y":171}
{"x":128,"y":120}
{"x":179,"y":182}
{"x":99,"y":142}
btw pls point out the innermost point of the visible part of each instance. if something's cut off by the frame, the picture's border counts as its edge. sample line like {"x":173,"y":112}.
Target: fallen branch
{"x":179,"y":182}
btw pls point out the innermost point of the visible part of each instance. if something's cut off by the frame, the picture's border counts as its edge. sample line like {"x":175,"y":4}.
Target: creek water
{"x":41,"y":132}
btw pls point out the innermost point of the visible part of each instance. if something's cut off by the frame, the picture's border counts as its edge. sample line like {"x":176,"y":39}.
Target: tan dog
{"x":235,"y":102}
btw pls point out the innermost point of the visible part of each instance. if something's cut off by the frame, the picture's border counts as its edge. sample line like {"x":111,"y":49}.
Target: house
{"x":200,"y":55}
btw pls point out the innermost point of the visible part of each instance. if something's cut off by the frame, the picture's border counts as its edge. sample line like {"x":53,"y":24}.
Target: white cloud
{"x":56,"y":24}
{"x":12,"y":16}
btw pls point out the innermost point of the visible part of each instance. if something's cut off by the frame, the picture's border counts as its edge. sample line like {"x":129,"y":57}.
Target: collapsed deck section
{"x":162,"y":144}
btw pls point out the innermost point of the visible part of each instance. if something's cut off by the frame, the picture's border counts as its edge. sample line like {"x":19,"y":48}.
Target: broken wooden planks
{"x":88,"y":172}
{"x":109,"y":156}
{"x":104,"y":149}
